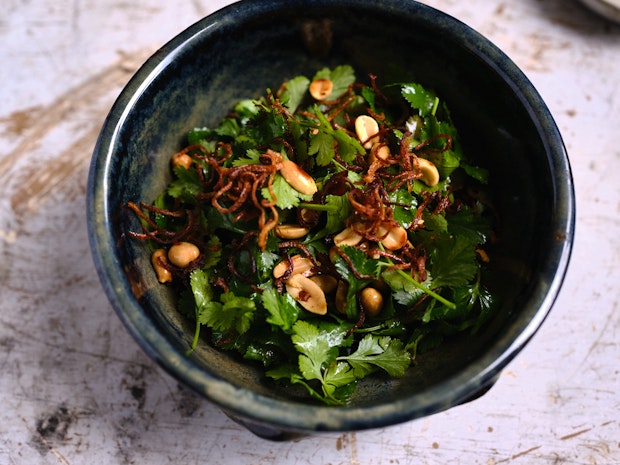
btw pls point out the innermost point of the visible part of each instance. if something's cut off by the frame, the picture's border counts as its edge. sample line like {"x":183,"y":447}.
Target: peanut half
{"x":321,"y":88}
{"x":290,"y":231}
{"x":308,"y":293}
{"x":163,"y":274}
{"x":367,"y":130}
{"x":430,"y":174}
{"x":297,"y":178}
{"x":393,"y":238}
{"x":300,"y":265}
{"x":348,"y":236}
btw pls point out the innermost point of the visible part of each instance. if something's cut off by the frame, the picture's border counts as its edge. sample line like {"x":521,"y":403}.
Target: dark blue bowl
{"x":240,"y":51}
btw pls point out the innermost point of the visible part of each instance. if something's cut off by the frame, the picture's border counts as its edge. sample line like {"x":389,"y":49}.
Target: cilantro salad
{"x":328,"y":231}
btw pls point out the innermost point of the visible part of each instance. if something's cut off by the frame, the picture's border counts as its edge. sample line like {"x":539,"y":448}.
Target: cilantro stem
{"x":426,"y":290}
{"x":430,"y":292}
{"x":435,"y":105}
{"x":195,"y":341}
{"x":318,"y":207}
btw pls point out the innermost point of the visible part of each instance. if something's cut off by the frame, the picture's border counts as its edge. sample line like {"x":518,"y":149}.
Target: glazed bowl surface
{"x":247,"y":47}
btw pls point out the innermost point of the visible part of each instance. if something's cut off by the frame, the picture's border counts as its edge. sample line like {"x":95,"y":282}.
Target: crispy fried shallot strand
{"x":236,"y":188}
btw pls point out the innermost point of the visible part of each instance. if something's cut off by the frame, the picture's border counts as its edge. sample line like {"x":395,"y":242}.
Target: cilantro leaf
{"x":339,"y":209}
{"x":236,"y":312}
{"x":379,"y":352}
{"x":336,"y":377}
{"x":435,"y":222}
{"x":282,"y":310}
{"x":203,"y":296}
{"x":469,"y":225}
{"x":265,"y":261}
{"x":228,"y":127}
{"x":324,"y":140}
{"x":186,"y":185}
{"x":231,"y":312}
{"x":212,"y":252}
{"x":368,"y":94}
{"x":246,"y":109}
{"x":294,"y":92}
{"x":342,"y":77}
{"x":404,"y":291}
{"x":453,"y":261}
{"x":362,"y":263}
{"x":476,"y":302}
{"x":318,"y":349}
{"x":286,"y":196}
{"x":405,"y":208}
{"x":348,"y":147}
{"x":322,"y":145}
{"x":251,"y":158}
{"x":266,"y":126}
{"x":476,"y":172}
{"x":421,"y":99}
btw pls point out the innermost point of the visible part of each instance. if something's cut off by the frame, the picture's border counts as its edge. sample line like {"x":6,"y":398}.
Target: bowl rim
{"x":290,"y":415}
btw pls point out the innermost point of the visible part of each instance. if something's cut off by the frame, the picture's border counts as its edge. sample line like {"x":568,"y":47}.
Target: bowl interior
{"x":240,"y":51}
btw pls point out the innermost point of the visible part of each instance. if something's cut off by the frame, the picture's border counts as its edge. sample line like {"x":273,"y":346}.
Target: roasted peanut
{"x":182,"y":159}
{"x":348,"y":236}
{"x":290,"y":231}
{"x":297,"y":178}
{"x":379,"y":151}
{"x":393,"y":238}
{"x":367,"y":130}
{"x":326,"y":282}
{"x":430,"y":174}
{"x":371,"y":301}
{"x":182,"y":254}
{"x":300,"y":265}
{"x":163,"y":274}
{"x":321,"y":88}
{"x":307,"y":293}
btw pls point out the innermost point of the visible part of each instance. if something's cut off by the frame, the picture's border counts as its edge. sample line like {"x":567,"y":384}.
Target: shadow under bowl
{"x":237,"y":53}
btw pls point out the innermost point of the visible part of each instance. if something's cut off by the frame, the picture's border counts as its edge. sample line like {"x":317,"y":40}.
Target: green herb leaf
{"x":364,"y":266}
{"x":252,"y":158}
{"x":453,"y":261}
{"x":404,"y":291}
{"x":236,"y":312}
{"x":339,"y":209}
{"x":322,"y":145}
{"x":186,"y":186}
{"x":323,"y":142}
{"x":379,"y":352}
{"x":286,"y":196}
{"x":421,"y":99}
{"x":282,"y":309}
{"x":405,"y":208}
{"x":203,"y":296}
{"x":342,"y":77}
{"x":475,"y":228}
{"x":294,"y":91}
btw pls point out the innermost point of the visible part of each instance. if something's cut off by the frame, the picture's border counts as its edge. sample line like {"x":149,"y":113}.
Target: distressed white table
{"x":75,"y":388}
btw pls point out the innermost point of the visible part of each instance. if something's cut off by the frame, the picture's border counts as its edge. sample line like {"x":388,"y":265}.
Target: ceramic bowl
{"x":610,"y":9}
{"x":241,"y":50}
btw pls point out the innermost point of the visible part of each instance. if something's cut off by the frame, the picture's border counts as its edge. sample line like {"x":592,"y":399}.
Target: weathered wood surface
{"x":75,"y":388}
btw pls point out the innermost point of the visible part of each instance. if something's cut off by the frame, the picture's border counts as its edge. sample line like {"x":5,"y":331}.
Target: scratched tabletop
{"x":75,"y":388}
